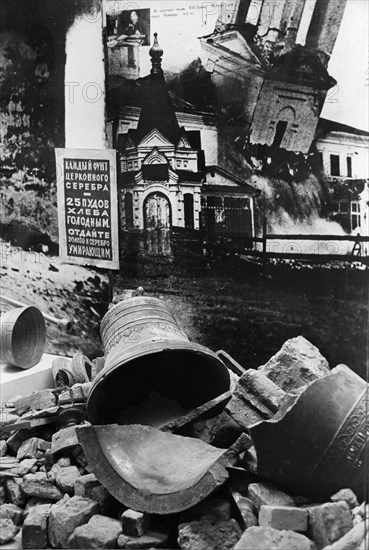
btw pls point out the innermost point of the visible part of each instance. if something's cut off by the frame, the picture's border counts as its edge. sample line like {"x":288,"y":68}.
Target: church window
{"x":335,"y":165}
{"x":128,"y":207}
{"x":188,"y":210}
{"x":349,"y":167}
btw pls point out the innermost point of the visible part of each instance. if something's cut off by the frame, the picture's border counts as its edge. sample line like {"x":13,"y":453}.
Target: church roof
{"x":326,"y":126}
{"x":157,"y":111}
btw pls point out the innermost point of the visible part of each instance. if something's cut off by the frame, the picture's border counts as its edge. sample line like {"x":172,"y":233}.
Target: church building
{"x":168,"y":176}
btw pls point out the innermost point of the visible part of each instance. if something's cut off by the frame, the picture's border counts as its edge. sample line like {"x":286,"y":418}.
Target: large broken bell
{"x":152,"y":375}
{"x":153,"y":471}
{"x":319,"y":444}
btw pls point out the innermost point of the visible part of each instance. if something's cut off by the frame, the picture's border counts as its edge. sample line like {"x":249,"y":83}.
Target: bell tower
{"x":232,"y":13}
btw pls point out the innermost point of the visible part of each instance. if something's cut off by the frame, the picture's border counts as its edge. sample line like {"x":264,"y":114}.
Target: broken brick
{"x":34,"y":531}
{"x":135,"y":523}
{"x":151,"y":539}
{"x":284,"y":517}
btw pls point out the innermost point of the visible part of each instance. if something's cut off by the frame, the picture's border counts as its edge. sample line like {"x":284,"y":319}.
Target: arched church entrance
{"x":158,"y":222}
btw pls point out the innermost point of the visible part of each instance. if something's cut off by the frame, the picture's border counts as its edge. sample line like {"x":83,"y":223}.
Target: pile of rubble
{"x":51,"y":496}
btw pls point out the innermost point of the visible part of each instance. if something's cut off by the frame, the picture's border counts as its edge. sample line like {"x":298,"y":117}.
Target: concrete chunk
{"x":267,"y":538}
{"x":34,"y":532}
{"x":284,"y":517}
{"x":266,"y":493}
{"x":99,"y":532}
{"x":329,"y":522}
{"x":135,"y":523}
{"x":255,"y":398}
{"x":66,"y":516}
{"x":296,"y":364}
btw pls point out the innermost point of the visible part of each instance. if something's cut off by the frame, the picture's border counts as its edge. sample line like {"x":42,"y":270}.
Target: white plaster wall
{"x":85,"y":84}
{"x":356,"y":147}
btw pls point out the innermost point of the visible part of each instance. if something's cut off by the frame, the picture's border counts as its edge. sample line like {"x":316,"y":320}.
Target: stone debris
{"x":151,"y":539}
{"x":246,"y":511}
{"x":135,"y":523}
{"x":66,"y":516}
{"x":267,"y":538}
{"x":48,"y":490}
{"x":288,"y":518}
{"x":64,"y":439}
{"x":255,"y":398}
{"x":352,"y":540}
{"x":7,"y":530}
{"x":12,"y":512}
{"x":347,"y":495}
{"x":295,"y":365}
{"x":35,"y":402}
{"x":99,"y":532}
{"x":221,"y":508}
{"x":26,"y":466}
{"x":266,"y":493}
{"x":329,"y":522}
{"x":3,"y":448}
{"x":34,"y":532}
{"x":38,"y":485}
{"x":75,"y":394}
{"x":208,"y":533}
{"x":16,"y":439}
{"x":33,"y":447}
{"x":84,"y":485}
{"x":66,"y":478}
{"x":14,"y":493}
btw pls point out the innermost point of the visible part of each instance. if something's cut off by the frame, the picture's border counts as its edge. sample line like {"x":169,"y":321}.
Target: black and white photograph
{"x":184,"y":261}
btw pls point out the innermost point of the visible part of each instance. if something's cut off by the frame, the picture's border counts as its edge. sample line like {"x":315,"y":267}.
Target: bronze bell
{"x":147,"y":353}
{"x":319,"y":444}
